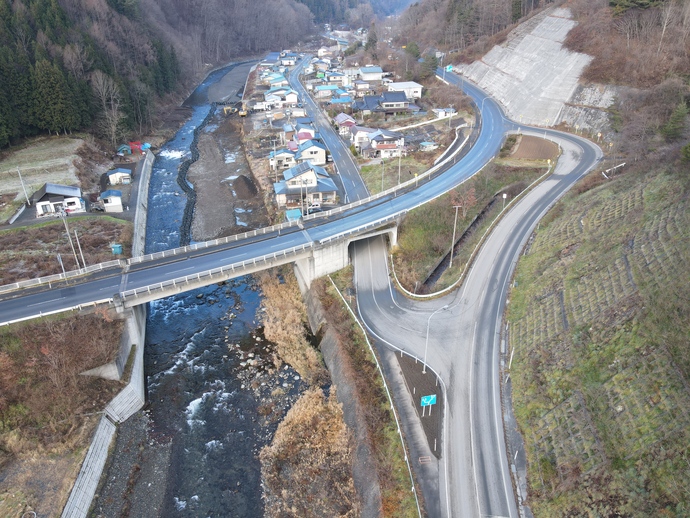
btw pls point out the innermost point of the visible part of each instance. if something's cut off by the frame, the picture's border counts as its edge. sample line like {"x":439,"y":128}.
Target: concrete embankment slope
{"x":132,"y":397}
{"x":536,"y":78}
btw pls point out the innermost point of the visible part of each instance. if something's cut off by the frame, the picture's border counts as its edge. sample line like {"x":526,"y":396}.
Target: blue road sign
{"x":429,"y":400}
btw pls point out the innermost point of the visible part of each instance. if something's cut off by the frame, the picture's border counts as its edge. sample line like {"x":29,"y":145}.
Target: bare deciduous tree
{"x":108,"y":95}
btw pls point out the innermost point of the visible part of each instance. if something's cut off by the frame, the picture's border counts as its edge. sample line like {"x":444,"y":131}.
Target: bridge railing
{"x":208,"y":244}
{"x":209,"y":274}
{"x":237,"y":237}
{"x":117,"y":263}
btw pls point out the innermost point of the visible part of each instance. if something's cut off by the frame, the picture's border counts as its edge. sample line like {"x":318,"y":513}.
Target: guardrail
{"x":238,"y":237}
{"x":208,"y":244}
{"x":120,"y":263}
{"x":161,"y":286}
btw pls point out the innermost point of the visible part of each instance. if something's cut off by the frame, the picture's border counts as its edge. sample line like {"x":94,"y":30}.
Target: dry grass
{"x":29,"y":252}
{"x":285,"y":325}
{"x":47,"y":409}
{"x":307,"y":469}
{"x":359,"y":367}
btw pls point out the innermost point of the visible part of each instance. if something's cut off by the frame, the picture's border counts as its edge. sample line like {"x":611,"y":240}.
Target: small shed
{"x":119,"y":175}
{"x":112,"y":200}
{"x":124,"y":149}
{"x":427,"y":146}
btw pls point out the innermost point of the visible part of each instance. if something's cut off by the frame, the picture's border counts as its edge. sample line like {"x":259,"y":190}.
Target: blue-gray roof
{"x":110,"y":193}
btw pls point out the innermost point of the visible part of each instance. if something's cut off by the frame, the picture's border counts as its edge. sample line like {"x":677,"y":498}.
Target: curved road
{"x":465,"y":339}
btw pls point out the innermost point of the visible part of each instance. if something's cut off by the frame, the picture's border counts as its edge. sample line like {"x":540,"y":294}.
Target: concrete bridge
{"x":314,"y":244}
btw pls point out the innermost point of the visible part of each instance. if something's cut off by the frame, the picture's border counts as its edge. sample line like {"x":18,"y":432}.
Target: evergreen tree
{"x":54,"y":107}
{"x":685,"y":154}
{"x":674,"y":128}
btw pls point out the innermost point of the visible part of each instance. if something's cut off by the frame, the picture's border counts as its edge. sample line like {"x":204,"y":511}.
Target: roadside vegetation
{"x":28,"y":252}
{"x":388,"y":451}
{"x":426,"y":233}
{"x":312,"y":445}
{"x":599,"y":329}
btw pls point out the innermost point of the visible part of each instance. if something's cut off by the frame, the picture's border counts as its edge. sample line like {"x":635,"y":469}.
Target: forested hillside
{"x":72,"y":66}
{"x":455,"y":25}
{"x":354,"y":12}
{"x":100,"y":65}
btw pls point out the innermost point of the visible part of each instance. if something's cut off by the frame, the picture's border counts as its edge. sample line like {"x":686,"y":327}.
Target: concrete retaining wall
{"x":133,"y":396}
{"x":363,"y":469}
{"x":532,"y":74}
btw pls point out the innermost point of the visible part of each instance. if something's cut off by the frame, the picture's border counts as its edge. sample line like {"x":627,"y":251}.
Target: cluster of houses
{"x":305,"y":184}
{"x":370,"y":142}
{"x":57,"y":200}
{"x":355,"y":87}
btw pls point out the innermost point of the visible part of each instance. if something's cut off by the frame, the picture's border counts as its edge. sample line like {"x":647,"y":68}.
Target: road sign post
{"x":428,"y":401}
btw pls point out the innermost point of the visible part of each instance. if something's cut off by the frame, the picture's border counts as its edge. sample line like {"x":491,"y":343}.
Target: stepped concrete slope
{"x":535,"y":77}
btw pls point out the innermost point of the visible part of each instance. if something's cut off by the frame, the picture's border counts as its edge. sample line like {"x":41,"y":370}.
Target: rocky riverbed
{"x":216,"y":388}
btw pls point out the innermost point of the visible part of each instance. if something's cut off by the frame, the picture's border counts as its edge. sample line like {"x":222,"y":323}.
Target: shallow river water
{"x":212,"y":393}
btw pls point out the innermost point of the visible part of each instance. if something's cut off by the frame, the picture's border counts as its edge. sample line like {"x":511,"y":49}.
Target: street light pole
{"x":428,"y":323}
{"x":399,"y":163}
{"x":452,"y":243}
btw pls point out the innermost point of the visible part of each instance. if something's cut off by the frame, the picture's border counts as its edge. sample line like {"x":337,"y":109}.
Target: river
{"x":214,"y":396}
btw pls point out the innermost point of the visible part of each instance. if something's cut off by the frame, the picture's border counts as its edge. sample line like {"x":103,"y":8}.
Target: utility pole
{"x":383,"y":166}
{"x":81,"y":253}
{"x":399,"y":163}
{"x":23,"y":187}
{"x":63,"y":215}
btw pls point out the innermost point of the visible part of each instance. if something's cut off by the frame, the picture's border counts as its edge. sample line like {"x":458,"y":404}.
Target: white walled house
{"x":313,"y":151}
{"x":305,"y":185}
{"x":112,"y":200}
{"x":119,"y":176}
{"x":411,"y":89}
{"x":53,"y":199}
{"x":371,"y":73}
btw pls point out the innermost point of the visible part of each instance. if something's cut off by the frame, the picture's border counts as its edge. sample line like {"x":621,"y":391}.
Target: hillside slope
{"x":599,"y":325}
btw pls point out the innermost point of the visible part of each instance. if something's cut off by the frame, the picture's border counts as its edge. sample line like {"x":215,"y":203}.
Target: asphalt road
{"x":348,"y":171}
{"x":464,"y":341}
{"x":86,"y":290}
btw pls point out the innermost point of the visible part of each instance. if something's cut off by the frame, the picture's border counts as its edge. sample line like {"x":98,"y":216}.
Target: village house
{"x":388,"y":103}
{"x":325,"y":91}
{"x":313,"y":151}
{"x":281,"y":159}
{"x":345,"y":123}
{"x":304,"y":132}
{"x":411,"y":89}
{"x":53,"y":199}
{"x":337,"y":78}
{"x":119,"y":176}
{"x":371,"y":73}
{"x":111,"y":200}
{"x":359,"y":136}
{"x":362,"y":88}
{"x":385,"y":144}
{"x":305,"y":185}
{"x":373,"y":143}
